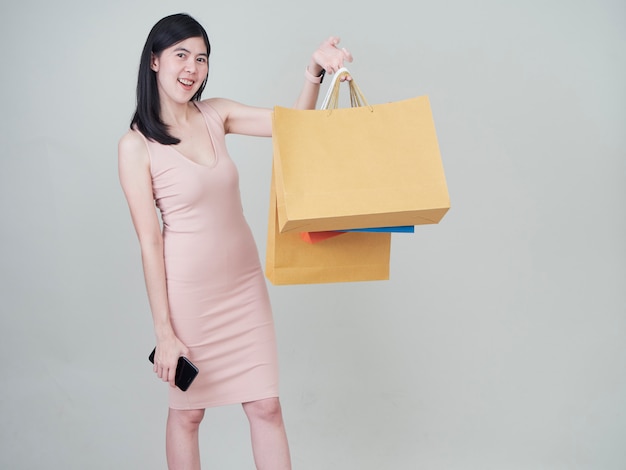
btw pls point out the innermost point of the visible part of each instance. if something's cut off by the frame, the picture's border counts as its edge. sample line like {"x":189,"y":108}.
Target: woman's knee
{"x":267,"y":410}
{"x":188,"y":419}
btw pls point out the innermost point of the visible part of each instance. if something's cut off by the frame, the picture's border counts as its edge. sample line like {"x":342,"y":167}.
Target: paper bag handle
{"x":331,"y":100}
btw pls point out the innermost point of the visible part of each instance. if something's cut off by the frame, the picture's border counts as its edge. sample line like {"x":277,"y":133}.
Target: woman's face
{"x":181,"y":69}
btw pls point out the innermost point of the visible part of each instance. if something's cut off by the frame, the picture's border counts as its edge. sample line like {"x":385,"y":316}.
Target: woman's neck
{"x":176,"y":114}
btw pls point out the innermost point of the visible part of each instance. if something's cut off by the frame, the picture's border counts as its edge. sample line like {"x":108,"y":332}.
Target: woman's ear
{"x":154,"y":63}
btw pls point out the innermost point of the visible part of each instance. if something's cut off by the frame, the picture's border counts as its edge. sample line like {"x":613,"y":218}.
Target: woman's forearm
{"x":310,"y":90}
{"x":329,"y":58}
{"x":154,"y":274}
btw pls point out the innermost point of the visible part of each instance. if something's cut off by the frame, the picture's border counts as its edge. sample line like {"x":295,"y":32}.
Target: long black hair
{"x":167,"y":32}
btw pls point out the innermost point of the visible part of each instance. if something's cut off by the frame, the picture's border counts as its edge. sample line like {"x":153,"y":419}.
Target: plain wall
{"x":498,"y":343}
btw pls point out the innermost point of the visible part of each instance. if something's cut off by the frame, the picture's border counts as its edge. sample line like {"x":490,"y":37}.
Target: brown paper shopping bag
{"x":358,"y":167}
{"x":348,"y":258}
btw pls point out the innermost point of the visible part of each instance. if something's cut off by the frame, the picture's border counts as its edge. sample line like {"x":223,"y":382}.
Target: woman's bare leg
{"x":181,"y":439}
{"x":269,"y":439}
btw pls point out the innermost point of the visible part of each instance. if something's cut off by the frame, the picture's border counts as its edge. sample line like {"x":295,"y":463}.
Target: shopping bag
{"x":398,"y":229}
{"x":349,"y":258}
{"x":358,"y":167}
{"x":316,"y":237}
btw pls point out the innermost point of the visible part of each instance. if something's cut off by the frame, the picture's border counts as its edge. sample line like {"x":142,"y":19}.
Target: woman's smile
{"x":186,"y":83}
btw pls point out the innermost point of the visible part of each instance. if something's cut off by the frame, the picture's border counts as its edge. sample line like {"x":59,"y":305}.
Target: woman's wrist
{"x":163,"y":331}
{"x":314,"y":76}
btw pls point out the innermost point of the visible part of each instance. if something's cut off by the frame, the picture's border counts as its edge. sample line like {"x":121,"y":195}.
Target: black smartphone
{"x":186,"y":371}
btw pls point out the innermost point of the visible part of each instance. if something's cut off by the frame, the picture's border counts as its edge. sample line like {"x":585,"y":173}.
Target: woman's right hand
{"x":329,"y":57}
{"x":168,"y":350}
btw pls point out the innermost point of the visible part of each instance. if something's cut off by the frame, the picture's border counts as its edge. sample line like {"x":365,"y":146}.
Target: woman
{"x":203,"y":276}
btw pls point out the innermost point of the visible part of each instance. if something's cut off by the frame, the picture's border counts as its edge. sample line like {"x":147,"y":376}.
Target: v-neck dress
{"x":218,"y":299}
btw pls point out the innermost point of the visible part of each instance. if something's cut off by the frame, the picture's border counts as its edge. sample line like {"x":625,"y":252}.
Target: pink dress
{"x":219,"y":305}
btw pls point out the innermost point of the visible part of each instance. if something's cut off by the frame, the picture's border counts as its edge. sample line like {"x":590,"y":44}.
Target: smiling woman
{"x":203,"y":275}
{"x":180,"y":67}
{"x":164,"y":37}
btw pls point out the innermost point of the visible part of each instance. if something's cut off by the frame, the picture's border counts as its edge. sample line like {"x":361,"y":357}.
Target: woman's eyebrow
{"x":182,"y":49}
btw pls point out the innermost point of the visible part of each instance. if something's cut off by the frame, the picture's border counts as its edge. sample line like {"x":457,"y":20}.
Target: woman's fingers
{"x":171,"y":376}
{"x":166,"y":372}
{"x":166,"y":359}
{"x":330,"y":57}
{"x":347,"y":56}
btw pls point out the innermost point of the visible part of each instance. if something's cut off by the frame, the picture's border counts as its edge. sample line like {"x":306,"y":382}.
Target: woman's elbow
{"x":151,"y":244}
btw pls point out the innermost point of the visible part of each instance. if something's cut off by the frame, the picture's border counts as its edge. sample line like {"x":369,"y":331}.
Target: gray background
{"x":498,"y":343}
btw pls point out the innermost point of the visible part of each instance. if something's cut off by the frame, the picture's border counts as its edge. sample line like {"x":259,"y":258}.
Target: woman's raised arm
{"x":248,"y":120}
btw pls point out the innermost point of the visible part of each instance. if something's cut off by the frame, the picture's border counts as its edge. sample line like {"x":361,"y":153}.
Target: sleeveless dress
{"x":218,"y":299}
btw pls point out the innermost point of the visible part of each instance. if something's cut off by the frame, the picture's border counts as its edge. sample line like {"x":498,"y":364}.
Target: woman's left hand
{"x":329,"y":57}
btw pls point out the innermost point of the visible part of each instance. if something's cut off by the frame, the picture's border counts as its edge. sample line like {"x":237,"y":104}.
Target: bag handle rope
{"x":331,"y":101}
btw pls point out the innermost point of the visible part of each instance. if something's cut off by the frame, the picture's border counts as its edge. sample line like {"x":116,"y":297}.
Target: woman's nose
{"x":190,"y":66}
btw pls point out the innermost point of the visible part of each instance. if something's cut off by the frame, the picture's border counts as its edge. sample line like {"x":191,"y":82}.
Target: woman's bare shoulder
{"x":131,"y":140}
{"x":132,"y":146}
{"x":221,"y":106}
